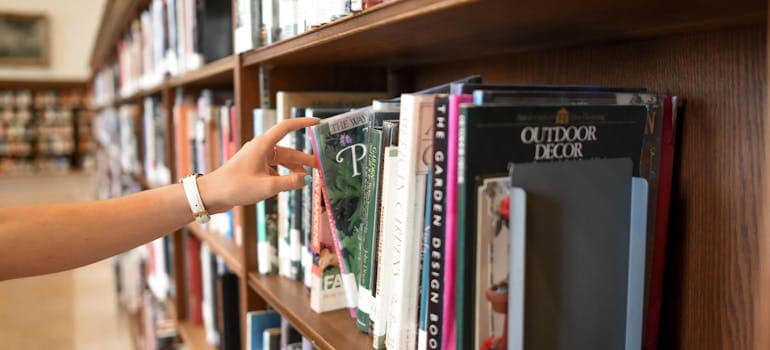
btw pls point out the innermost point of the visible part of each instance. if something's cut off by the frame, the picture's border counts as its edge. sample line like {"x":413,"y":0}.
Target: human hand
{"x":249,"y":176}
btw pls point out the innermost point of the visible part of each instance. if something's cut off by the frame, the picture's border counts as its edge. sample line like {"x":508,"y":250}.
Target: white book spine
{"x":385,"y":267}
{"x":242,"y":32}
{"x":212,"y":336}
{"x":414,"y":140}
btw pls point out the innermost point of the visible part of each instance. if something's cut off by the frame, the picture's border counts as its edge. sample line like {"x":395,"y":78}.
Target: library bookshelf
{"x":711,"y":53}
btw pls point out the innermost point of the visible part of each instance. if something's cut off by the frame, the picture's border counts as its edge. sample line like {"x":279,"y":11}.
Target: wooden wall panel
{"x":713,"y":257}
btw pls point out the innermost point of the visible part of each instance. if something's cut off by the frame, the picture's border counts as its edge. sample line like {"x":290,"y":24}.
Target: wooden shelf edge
{"x":221,"y":246}
{"x":209,"y":70}
{"x":378,"y":16}
{"x":218,"y":68}
{"x":194,"y":336}
{"x":554,"y":26}
{"x":328,"y":330}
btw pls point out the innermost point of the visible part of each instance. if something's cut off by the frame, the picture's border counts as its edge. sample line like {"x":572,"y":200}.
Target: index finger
{"x":276,"y":133}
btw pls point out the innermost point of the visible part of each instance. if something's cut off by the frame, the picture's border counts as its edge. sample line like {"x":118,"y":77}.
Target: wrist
{"x":211,"y":194}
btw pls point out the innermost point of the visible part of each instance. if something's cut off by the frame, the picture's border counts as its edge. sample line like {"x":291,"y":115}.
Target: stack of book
{"x":206,"y":135}
{"x":263,"y":22}
{"x":477,"y":216}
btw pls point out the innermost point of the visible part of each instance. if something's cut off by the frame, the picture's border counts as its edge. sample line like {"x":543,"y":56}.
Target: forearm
{"x":51,"y":238}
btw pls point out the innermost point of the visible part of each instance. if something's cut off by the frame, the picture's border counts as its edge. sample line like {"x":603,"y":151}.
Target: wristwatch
{"x":190,"y":184}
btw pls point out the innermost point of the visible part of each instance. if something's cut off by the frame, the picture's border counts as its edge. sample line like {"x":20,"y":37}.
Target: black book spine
{"x":306,"y":210}
{"x":231,"y":319}
{"x":437,"y":226}
{"x":297,"y":218}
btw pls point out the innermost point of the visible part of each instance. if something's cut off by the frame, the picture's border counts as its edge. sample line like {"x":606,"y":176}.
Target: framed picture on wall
{"x":24,"y":39}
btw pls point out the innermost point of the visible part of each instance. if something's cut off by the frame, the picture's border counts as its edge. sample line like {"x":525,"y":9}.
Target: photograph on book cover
{"x":23,"y":39}
{"x":493,"y":198}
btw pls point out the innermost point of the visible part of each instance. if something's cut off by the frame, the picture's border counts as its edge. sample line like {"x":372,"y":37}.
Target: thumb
{"x":293,"y":181}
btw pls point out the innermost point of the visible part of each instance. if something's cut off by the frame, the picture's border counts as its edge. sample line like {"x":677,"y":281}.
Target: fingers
{"x":276,"y":133}
{"x":290,"y":157}
{"x":293,"y":181}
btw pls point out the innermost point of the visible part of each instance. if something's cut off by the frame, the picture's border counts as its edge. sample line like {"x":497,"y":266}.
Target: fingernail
{"x":308,"y":180}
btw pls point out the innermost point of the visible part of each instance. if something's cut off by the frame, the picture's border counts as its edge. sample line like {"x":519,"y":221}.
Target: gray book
{"x":583,"y":258}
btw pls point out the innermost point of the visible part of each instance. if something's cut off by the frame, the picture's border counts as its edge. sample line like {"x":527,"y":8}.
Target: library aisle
{"x":73,"y":309}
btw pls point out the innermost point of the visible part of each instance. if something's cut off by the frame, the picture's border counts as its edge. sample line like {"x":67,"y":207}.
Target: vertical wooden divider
{"x":246,"y":91}
{"x":762,"y":307}
{"x":180,"y":299}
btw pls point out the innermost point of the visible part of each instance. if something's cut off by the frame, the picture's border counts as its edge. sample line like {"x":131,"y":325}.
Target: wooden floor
{"x":74,"y":309}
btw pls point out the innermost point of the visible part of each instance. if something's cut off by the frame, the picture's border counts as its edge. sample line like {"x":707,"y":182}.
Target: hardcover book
{"x":339,"y":147}
{"x":256,"y":323}
{"x":385,"y":278}
{"x":285,"y":100}
{"x":368,"y":206}
{"x":528,"y":133}
{"x":437,"y":224}
{"x":655,"y":164}
{"x":415,"y":138}
{"x":307,"y":194}
{"x":584,"y":259}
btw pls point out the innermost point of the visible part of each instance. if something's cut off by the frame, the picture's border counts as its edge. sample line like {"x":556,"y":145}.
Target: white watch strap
{"x":190,"y":185}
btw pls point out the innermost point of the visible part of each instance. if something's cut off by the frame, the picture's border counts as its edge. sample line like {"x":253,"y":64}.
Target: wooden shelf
{"x":329,"y":330}
{"x":404,"y":31}
{"x":221,"y":246}
{"x":219,"y":72}
{"x":213,"y":73}
{"x":194,"y":336}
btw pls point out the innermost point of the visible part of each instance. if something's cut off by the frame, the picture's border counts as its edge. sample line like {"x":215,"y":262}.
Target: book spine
{"x":666,"y":172}
{"x":307,"y":221}
{"x":463,"y":301}
{"x":294,"y":219}
{"x":449,"y":324}
{"x":387,"y":250}
{"x":422,"y":335}
{"x":438,"y":225}
{"x":208,"y":275}
{"x":410,"y":189}
{"x":267,"y":237}
{"x":348,"y":280}
{"x":367,"y":248}
{"x":195,"y":284}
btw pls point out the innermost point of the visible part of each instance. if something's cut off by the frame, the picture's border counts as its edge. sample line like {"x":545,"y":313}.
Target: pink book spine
{"x":450,"y":254}
{"x":332,"y":223}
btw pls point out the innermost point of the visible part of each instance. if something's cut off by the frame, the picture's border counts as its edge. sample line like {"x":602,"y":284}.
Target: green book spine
{"x":462,"y":259}
{"x":369,"y":213}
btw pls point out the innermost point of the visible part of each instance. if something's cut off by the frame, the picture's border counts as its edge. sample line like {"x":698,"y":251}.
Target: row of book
{"x":170,"y":37}
{"x":37,"y":130}
{"x":263,"y":22}
{"x":117,"y":157}
{"x":207,"y":135}
{"x":409,"y":222}
{"x":24,"y":98}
